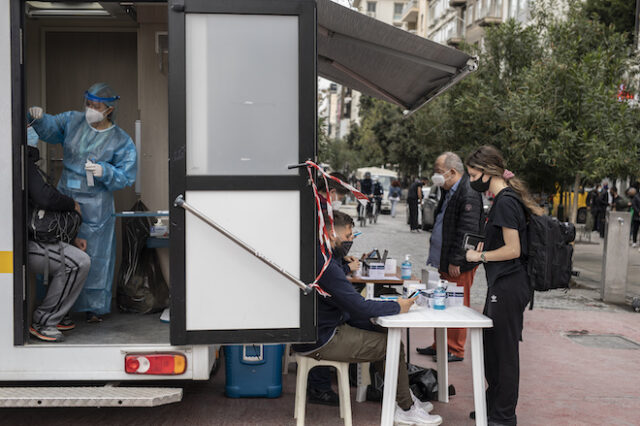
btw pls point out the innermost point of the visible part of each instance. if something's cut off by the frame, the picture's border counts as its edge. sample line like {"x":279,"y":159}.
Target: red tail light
{"x":165,"y":364}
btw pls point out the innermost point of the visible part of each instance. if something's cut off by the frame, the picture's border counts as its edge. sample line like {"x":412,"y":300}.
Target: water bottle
{"x":406,"y":268}
{"x":439,"y":296}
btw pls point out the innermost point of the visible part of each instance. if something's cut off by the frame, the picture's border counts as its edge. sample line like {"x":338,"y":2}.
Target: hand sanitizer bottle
{"x":406,"y":268}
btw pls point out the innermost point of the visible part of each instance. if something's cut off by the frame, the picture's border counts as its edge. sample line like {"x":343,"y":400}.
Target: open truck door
{"x":242,"y":108}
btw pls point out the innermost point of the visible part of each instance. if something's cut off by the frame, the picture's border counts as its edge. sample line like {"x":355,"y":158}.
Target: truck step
{"x":107,"y":396}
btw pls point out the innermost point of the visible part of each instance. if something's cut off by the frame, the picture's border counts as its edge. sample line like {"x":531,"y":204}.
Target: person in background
{"x":98,"y":152}
{"x":365,"y":186}
{"x":459,"y":212}
{"x":340,"y":341}
{"x":319,"y":389}
{"x":619,"y":202}
{"x":504,"y":255}
{"x":635,"y":217}
{"x":67,"y":265}
{"x":603,"y":202}
{"x":378,"y":192}
{"x":414,"y":198}
{"x":394,"y":196}
{"x":592,"y":208}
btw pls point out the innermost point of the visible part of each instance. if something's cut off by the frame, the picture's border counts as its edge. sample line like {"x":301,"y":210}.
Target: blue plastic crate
{"x":253,"y":370}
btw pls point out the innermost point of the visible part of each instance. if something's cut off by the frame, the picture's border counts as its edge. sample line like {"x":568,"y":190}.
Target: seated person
{"x":339,"y":341}
{"x":68,"y":265}
{"x":319,"y":383}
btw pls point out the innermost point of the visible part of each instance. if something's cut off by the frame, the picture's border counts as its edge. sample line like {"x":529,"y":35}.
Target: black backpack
{"x":48,"y":226}
{"x":550,"y":253}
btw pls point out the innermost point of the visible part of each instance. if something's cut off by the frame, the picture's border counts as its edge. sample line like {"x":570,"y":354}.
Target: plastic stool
{"x":305,"y":364}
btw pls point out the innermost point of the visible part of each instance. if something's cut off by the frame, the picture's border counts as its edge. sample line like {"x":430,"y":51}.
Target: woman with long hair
{"x":504,"y":254}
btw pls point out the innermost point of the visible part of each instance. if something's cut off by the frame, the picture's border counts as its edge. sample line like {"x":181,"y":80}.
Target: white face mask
{"x":335,"y":205}
{"x":93,"y":115}
{"x":438,"y":179}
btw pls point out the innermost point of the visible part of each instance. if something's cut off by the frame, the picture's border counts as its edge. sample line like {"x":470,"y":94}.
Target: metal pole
{"x":180,"y":202}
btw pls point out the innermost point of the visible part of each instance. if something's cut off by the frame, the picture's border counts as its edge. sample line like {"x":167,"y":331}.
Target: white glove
{"x":36,"y":112}
{"x":94,"y":168}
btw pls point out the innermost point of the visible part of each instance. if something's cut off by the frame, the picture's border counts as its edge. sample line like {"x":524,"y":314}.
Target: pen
{"x":356,"y":234}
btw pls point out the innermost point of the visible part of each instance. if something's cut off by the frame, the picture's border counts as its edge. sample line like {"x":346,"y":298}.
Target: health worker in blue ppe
{"x":99,"y":158}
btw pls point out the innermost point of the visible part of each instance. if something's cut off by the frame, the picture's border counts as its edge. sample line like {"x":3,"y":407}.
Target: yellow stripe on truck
{"x":6,"y":262}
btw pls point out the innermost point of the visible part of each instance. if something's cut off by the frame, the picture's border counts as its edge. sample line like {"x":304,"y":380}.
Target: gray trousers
{"x":351,"y":344}
{"x":65,"y":282}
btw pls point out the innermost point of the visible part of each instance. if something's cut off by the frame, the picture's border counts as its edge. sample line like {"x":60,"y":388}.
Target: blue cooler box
{"x":253,"y":370}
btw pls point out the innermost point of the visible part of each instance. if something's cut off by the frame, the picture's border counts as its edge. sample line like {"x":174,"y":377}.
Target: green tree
{"x":619,"y":15}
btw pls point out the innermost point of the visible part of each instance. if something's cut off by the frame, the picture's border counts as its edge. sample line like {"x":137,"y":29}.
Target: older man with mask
{"x":459,"y":212}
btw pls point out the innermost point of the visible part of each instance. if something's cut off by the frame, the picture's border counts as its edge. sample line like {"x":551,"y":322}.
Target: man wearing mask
{"x":339,"y":339}
{"x":319,"y":385}
{"x":459,"y":212}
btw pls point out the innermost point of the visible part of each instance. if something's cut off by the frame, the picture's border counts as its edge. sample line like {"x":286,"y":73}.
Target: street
{"x":562,"y":382}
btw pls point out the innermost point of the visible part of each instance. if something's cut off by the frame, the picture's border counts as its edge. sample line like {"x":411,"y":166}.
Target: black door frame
{"x":179,"y":182}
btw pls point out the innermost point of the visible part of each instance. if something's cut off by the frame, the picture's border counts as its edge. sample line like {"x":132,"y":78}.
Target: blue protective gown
{"x":114,"y":150}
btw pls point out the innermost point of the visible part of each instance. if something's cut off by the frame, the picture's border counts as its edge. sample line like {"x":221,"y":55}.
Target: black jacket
{"x":344,"y":305}
{"x":635,"y":204}
{"x":464,"y":214}
{"x":43,"y":195}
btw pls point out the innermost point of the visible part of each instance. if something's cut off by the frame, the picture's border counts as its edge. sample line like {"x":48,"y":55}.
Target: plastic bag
{"x":141,"y":285}
{"x":424,"y":383}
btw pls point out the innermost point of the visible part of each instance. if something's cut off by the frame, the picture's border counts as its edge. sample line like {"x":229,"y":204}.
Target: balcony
{"x":488,"y":21}
{"x":455,"y":41}
{"x":410,"y":12}
{"x":457,"y":3}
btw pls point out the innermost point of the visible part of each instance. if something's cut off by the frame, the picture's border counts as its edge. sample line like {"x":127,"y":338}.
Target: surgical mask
{"x":93,"y":116}
{"x":438,"y":179}
{"x":479,"y":185}
{"x":335,"y":205}
{"x":342,"y":249}
{"x":32,"y":137}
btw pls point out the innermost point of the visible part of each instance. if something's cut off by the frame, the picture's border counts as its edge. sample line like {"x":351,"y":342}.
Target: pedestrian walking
{"x":504,"y":255}
{"x":635,"y":217}
{"x":394,"y":196}
{"x":414,"y":199}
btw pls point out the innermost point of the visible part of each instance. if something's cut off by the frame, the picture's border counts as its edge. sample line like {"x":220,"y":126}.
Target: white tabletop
{"x":451,"y":317}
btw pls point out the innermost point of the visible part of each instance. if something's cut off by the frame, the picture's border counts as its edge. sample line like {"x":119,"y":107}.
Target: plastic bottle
{"x":440,"y":296}
{"x":406,"y":268}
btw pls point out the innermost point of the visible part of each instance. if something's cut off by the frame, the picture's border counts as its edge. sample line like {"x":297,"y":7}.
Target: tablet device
{"x":471,"y":241}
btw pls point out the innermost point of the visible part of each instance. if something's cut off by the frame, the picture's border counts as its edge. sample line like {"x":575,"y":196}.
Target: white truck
{"x":221,"y":98}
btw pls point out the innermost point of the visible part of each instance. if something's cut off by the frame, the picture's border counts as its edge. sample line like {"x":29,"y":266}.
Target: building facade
{"x":453,"y":21}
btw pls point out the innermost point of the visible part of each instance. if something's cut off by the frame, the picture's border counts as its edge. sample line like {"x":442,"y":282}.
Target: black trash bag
{"x":141,"y":287}
{"x":424,"y":383}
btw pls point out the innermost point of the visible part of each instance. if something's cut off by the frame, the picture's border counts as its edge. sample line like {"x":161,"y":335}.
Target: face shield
{"x":101,"y":93}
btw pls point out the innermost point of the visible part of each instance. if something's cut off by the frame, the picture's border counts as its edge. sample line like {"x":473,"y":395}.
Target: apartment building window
{"x":470,"y":10}
{"x":371,"y":7}
{"x":397,"y":11}
{"x":432,"y":14}
{"x":497,"y":8}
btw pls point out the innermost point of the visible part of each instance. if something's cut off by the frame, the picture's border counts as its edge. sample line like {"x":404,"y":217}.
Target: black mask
{"x":479,"y":185}
{"x":342,"y":249}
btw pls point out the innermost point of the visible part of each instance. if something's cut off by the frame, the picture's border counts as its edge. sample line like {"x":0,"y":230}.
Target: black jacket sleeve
{"x":43,"y":195}
{"x":469,"y":215}
{"x":348,"y":300}
{"x":635,"y":203}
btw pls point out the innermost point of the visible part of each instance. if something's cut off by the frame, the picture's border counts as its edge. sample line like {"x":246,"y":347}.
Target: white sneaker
{"x":426,"y":406}
{"x":415,"y":416}
{"x":634,"y":245}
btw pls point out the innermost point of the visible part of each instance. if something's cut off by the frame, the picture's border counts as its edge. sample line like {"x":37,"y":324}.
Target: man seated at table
{"x":339,"y":341}
{"x":319,"y":382}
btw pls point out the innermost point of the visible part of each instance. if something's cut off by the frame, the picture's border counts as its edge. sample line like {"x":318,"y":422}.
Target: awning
{"x":383,"y":61}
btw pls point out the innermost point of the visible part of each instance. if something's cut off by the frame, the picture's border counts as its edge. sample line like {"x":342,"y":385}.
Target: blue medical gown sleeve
{"x":51,"y":128}
{"x":121,"y":172}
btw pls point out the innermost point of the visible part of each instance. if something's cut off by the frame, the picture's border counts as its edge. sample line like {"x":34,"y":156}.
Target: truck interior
{"x":68,"y":47}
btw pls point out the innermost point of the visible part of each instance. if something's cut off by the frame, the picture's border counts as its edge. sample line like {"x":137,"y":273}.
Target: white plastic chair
{"x":307,"y":363}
